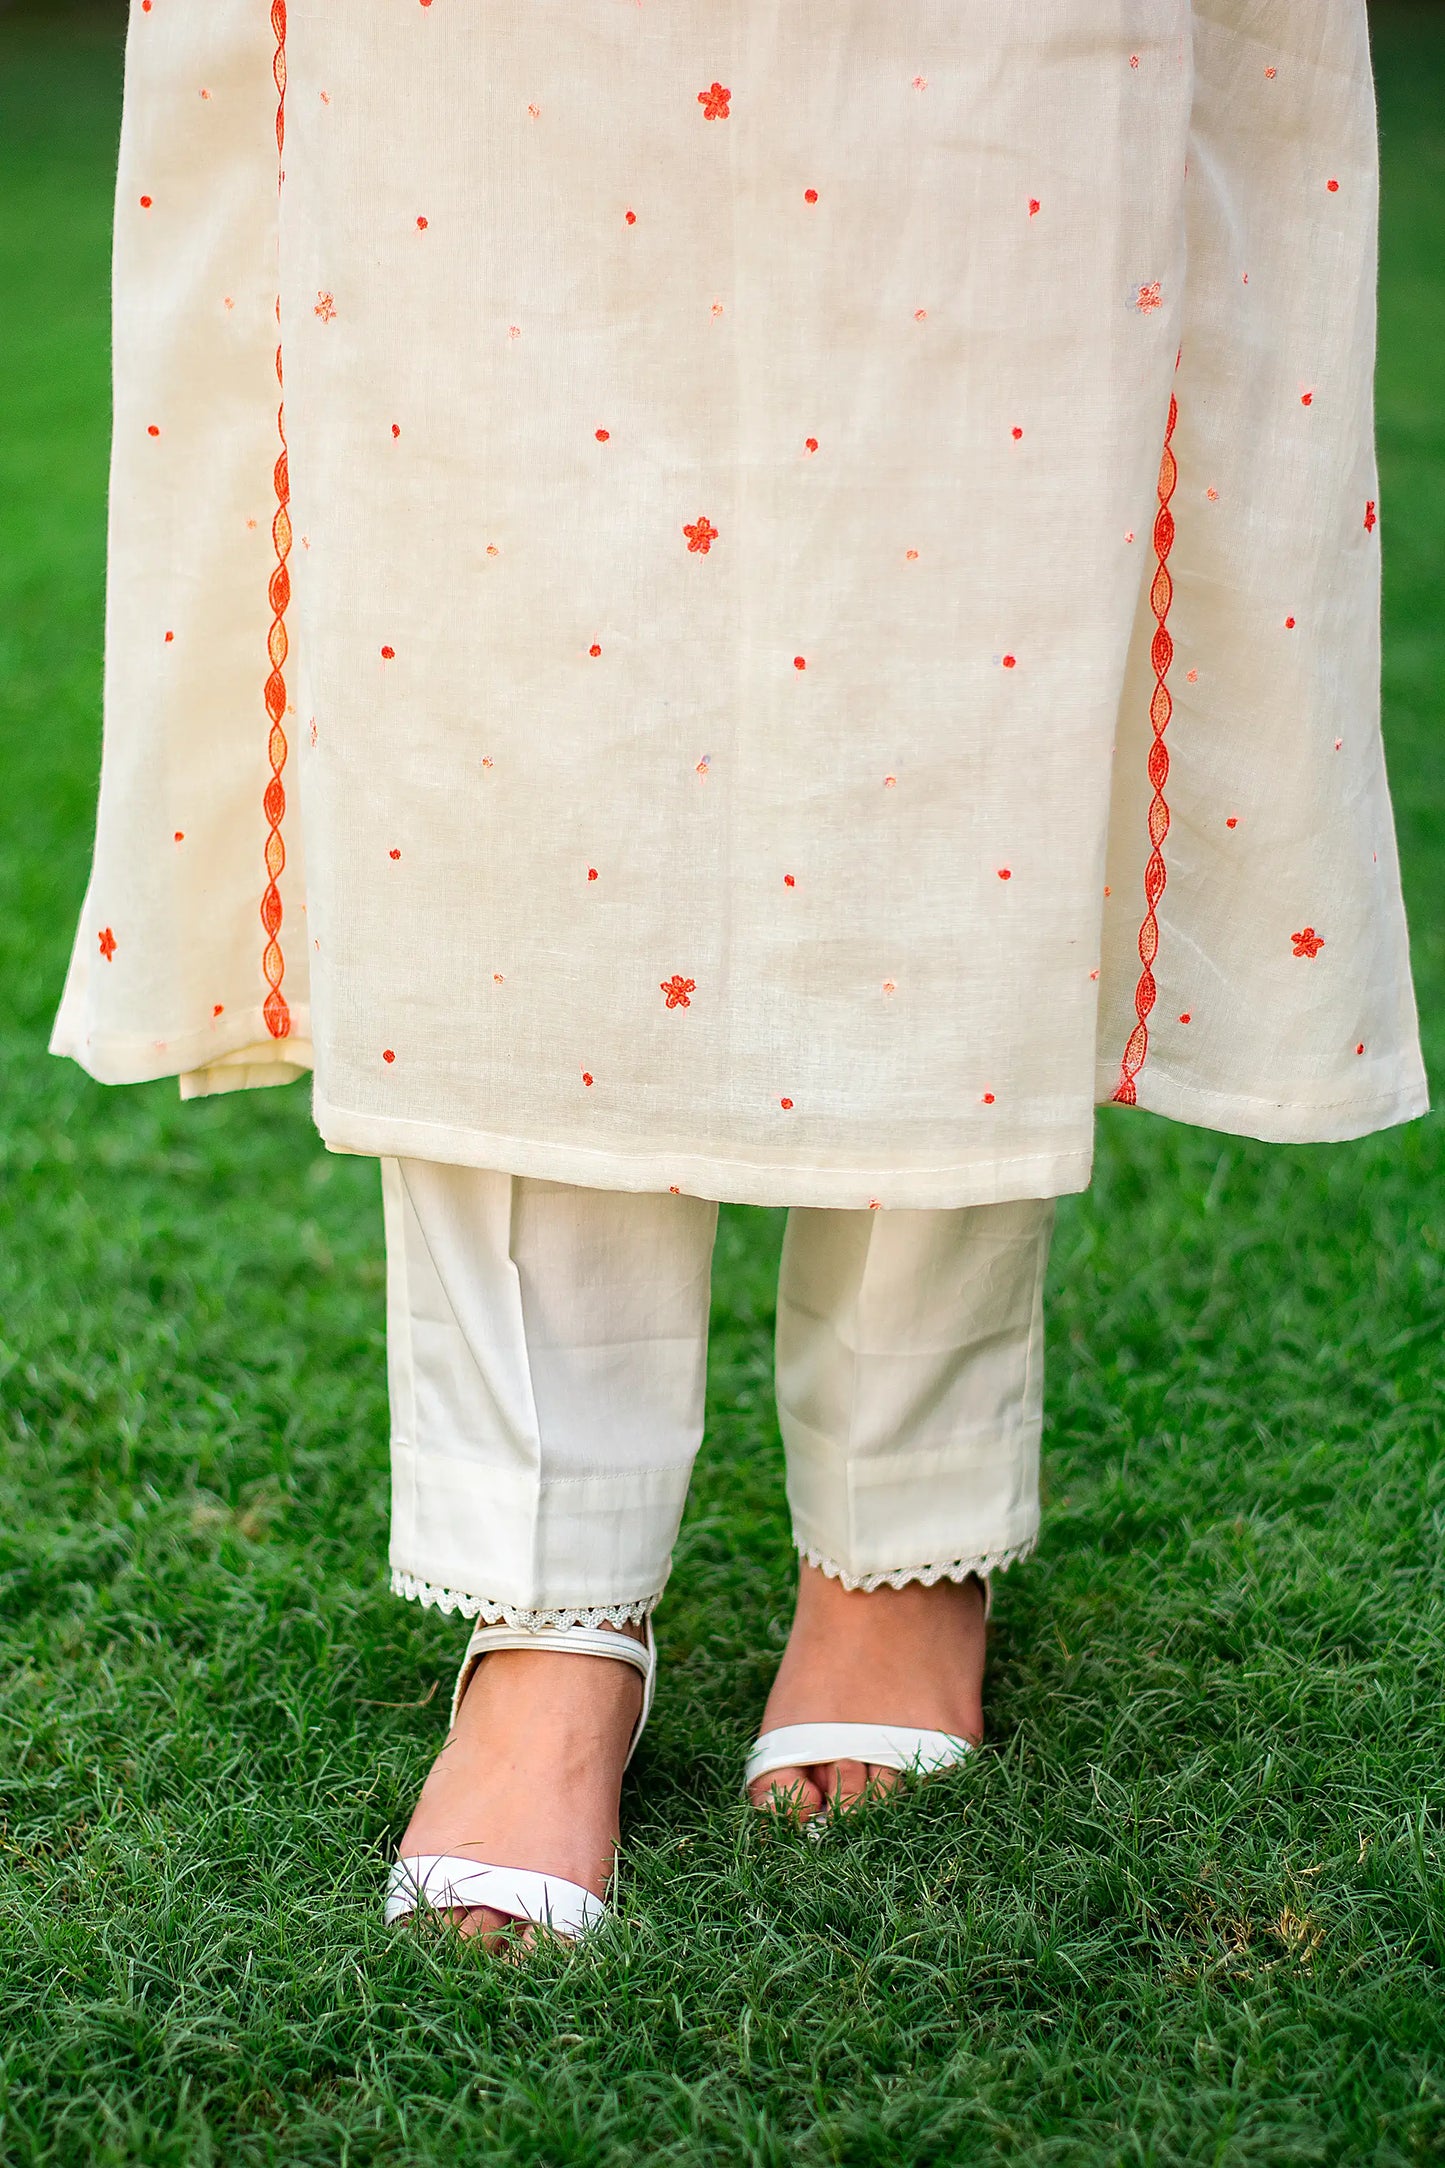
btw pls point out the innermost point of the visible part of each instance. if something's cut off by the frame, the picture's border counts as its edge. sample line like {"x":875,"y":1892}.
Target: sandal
{"x":442,"y":1880}
{"x":887,"y":1746}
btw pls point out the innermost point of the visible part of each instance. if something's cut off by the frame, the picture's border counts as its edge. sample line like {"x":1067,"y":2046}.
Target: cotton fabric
{"x":547,"y":1349}
{"x":818,"y":613}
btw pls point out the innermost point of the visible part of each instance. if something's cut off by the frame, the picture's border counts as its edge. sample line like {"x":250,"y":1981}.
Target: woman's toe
{"x":844,"y":1783}
{"x":789,"y":1792}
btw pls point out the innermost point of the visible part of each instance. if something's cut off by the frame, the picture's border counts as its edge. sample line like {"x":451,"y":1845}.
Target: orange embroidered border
{"x":1161,"y":707}
{"x":273,"y":963}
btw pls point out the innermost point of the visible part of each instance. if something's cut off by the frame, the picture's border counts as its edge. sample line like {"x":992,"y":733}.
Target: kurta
{"x":760,"y":599}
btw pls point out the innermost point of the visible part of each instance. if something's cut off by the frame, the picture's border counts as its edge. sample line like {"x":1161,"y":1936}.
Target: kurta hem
{"x":990,"y":1180}
{"x":1279,"y":1121}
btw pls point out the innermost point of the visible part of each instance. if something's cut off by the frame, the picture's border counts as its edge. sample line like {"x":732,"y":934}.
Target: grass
{"x":1188,"y":1908}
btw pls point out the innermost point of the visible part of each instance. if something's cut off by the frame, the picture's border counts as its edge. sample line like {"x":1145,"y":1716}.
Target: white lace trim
{"x":956,"y":1569}
{"x":511,"y":1614}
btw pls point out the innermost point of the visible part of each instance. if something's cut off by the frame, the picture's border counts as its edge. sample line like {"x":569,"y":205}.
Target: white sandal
{"x":886,"y":1746}
{"x":443,"y":1880}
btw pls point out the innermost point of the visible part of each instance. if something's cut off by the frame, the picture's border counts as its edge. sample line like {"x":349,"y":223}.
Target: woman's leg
{"x":547,"y":1351}
{"x":910,"y":1392}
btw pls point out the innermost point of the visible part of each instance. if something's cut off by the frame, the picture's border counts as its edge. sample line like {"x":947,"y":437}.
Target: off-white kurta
{"x":823,"y":611}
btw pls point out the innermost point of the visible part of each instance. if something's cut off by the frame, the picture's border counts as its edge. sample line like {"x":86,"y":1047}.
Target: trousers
{"x":547,"y":1372}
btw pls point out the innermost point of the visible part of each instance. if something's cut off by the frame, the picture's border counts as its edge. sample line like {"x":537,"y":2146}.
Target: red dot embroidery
{"x":219,"y":1009}
{"x":800,"y":662}
{"x":145,"y":203}
{"x":396,"y":854}
{"x":387,"y":1054}
{"x":1270,"y":74}
{"x":1186,"y":1018}
{"x":788,"y":881}
{"x":988,"y":1099}
{"x":1333,"y":187}
{"x":714,"y":102}
{"x":602,"y":435}
{"x":153,"y":431}
{"x":396,"y":429}
{"x":1005,"y":873}
{"x":1033,"y":206}
{"x":1289,"y":624}
{"x":1371,"y":516}
{"x":810,"y":195}
{"x":1307,"y":398}
{"x":388,"y":654}
{"x":180,"y":835}
{"x":107,"y":943}
{"x":910,"y":556}
{"x":1361,"y":1047}
{"x":785,"y":1104}
{"x":587,"y":1076}
{"x":422,"y":224}
{"x":169,"y":637}
{"x":631,"y":217}
{"x":1010,"y":662}
{"x":591,"y":873}
{"x":594,"y":649}
{"x":1233,"y":821}
{"x":810,"y":444}
{"x":1017,"y":434}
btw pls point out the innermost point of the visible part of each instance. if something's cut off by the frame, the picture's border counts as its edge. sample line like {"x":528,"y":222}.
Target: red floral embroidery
{"x":714,"y":102}
{"x":587,"y":1076}
{"x":1307,"y":398}
{"x":594,"y":649}
{"x":1161,"y":707}
{"x":1149,"y":298}
{"x":591,"y":873}
{"x":701,"y":536}
{"x":422,"y":224}
{"x":1017,"y":433}
{"x":107,"y":943}
{"x":1308,"y":943}
{"x":388,"y":654}
{"x":395,"y":854}
{"x":988,"y":1099}
{"x":1371,"y":518}
{"x":1010,"y":662}
{"x":1186,"y":1018}
{"x":387,"y":1054}
{"x":1034,"y":206}
{"x":785,"y":1104}
{"x":325,"y":306}
{"x":810,"y":195}
{"x":219,"y":1009}
{"x":152,"y":431}
{"x":1005,"y":873}
{"x":677,"y":990}
{"x":788,"y":881}
{"x":1333,"y":187}
{"x":800,"y":662}
{"x":602,"y":435}
{"x":630,"y":217}
{"x":145,"y":203}
{"x":810,"y":444}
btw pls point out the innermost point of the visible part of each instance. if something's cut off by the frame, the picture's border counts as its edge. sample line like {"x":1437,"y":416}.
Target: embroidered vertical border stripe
{"x":1161,"y":707}
{"x":273,"y":962}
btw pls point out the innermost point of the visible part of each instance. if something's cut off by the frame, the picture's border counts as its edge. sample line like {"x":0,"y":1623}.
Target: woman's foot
{"x":531,"y":1776}
{"x":910,"y":1655}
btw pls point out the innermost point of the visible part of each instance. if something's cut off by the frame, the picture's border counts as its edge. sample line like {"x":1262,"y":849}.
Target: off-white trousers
{"x":548,"y":1363}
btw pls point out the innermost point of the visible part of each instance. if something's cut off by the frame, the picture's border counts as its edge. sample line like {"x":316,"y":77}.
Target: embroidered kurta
{"x":763,"y":600}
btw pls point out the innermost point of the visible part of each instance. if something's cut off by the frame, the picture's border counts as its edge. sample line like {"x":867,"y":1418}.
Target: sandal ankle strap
{"x":618,"y":1647}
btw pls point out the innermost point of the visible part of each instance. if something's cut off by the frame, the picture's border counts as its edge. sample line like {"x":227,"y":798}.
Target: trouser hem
{"x":955,"y":1569}
{"x":519,"y":1615}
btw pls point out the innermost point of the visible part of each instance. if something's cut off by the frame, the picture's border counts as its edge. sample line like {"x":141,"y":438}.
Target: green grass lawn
{"x":1188,"y":1907}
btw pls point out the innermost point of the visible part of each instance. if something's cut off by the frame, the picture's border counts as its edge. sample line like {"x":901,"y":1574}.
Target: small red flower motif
{"x":107,"y":943}
{"x":800,"y":662}
{"x":910,"y":556}
{"x":1308,"y":943}
{"x":1149,"y":297}
{"x":677,"y":990}
{"x":594,"y":649}
{"x":1270,"y":74}
{"x":714,"y":102}
{"x":602,"y":435}
{"x":325,"y":306}
{"x":396,"y":854}
{"x":701,"y":536}
{"x":810,"y":195}
{"x":1371,"y":516}
{"x":587,"y":1076}
{"x":785,"y":1104}
{"x":388,"y":654}
{"x":387,"y":1054}
{"x":890,"y":986}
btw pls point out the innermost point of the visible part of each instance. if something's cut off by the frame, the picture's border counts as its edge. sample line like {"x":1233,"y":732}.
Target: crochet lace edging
{"x":956,"y":1569}
{"x":511,"y":1614}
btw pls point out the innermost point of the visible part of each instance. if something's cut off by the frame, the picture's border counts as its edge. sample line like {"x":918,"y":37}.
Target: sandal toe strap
{"x":441,"y":1880}
{"x":886,"y":1746}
